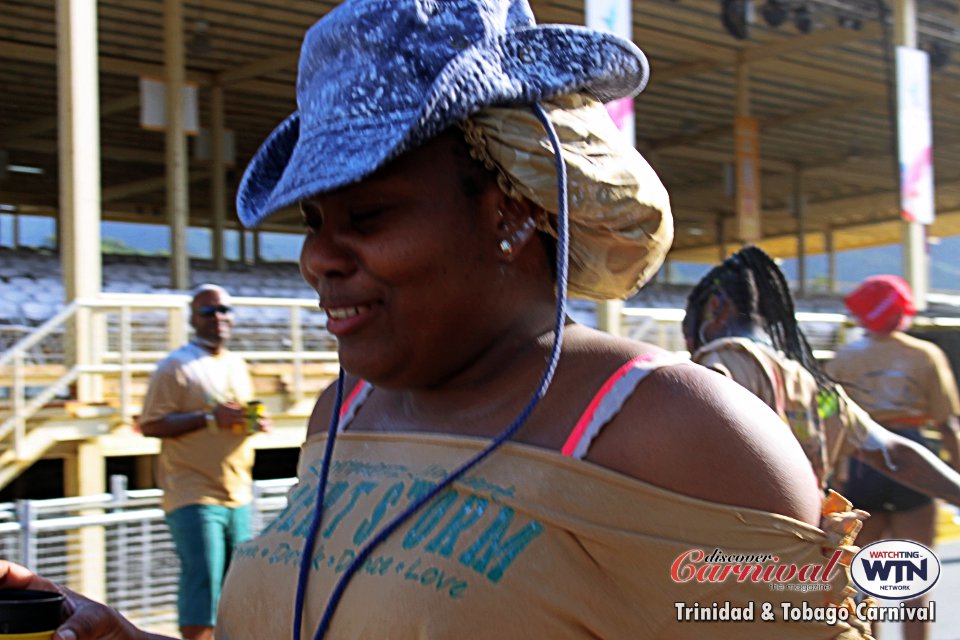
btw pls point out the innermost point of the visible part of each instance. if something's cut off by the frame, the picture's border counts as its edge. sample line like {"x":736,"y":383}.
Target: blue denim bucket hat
{"x":380,"y":77}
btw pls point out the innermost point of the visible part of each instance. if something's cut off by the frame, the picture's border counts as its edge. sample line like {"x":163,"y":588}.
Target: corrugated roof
{"x":821,"y":100}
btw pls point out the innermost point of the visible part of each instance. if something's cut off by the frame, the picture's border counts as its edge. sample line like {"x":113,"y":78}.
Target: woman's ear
{"x":516,"y":225}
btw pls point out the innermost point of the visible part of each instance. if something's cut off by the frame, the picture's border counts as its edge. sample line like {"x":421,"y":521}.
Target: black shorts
{"x":873,"y":491}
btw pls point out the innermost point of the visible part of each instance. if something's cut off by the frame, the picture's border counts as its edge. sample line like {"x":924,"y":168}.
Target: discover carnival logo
{"x":719,"y":566}
{"x":895,"y":569}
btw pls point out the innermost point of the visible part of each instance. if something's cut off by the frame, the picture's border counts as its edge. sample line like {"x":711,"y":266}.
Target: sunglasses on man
{"x":208,"y":311}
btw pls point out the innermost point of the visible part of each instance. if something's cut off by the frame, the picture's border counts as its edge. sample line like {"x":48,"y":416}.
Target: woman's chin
{"x":364,"y":365}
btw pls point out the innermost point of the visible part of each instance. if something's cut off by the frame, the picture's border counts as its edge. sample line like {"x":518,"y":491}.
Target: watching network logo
{"x":895,"y":569}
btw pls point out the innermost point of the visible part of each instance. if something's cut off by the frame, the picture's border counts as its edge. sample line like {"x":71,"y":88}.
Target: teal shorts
{"x":205,"y":537}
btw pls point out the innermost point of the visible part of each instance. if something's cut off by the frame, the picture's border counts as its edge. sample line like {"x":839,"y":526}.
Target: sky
{"x":852,"y":266}
{"x":855,"y":265}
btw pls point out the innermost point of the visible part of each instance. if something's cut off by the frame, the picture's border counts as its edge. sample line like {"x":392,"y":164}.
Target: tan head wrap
{"x":620,"y":222}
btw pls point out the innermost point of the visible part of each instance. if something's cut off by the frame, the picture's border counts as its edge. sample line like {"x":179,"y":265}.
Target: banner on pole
{"x":153,"y":106}
{"x":615,"y":16}
{"x":746,"y":135}
{"x":914,"y":136}
{"x":203,"y":147}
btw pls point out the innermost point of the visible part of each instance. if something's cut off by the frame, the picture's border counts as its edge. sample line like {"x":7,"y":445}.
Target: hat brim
{"x":521,"y":67}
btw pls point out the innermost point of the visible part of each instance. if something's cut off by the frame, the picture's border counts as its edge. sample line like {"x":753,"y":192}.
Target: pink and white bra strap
{"x":352,"y":403}
{"x":604,"y":406}
{"x":609,"y":400}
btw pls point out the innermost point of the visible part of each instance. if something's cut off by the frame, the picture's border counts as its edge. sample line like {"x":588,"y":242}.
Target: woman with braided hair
{"x":740,"y":320}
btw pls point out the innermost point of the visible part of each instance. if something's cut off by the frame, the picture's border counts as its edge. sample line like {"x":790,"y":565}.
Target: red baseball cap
{"x":881,"y":303}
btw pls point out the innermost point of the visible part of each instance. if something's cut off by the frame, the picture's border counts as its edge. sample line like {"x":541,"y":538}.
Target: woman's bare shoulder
{"x":693,"y":431}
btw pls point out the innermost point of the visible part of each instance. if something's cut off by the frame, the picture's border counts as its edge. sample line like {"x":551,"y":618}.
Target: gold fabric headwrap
{"x":620,"y":222}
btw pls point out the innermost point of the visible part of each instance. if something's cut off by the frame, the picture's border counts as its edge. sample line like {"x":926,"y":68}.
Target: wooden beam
{"x":259,"y":68}
{"x":122,"y":154}
{"x":806,"y":43}
{"x":42,"y":125}
{"x":147,"y":185}
{"x":751,"y":55}
{"x":846,"y":237}
{"x":45,"y":55}
{"x":686,"y":150}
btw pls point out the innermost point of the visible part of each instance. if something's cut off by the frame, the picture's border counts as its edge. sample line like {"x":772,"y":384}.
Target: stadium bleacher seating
{"x":31,"y":291}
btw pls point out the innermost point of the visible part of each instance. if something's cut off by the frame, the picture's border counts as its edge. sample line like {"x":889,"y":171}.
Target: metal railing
{"x":132,"y":565}
{"x":128,"y":333}
{"x":825,"y":331}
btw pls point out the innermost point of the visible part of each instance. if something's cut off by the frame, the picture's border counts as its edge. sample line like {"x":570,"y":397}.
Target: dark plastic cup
{"x":26,"y":614}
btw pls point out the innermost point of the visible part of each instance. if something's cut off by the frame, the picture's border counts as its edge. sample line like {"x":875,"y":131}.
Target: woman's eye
{"x":365,"y":220}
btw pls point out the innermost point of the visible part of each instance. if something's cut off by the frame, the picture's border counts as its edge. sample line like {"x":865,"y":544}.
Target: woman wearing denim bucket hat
{"x":487,"y":468}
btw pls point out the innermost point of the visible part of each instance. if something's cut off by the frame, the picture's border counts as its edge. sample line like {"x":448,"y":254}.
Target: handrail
{"x":168,"y":300}
{"x":18,"y":421}
{"x":40,"y":332}
{"x":657,"y":313}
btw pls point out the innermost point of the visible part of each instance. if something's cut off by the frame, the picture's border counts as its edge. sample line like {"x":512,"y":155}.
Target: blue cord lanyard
{"x":383,"y":534}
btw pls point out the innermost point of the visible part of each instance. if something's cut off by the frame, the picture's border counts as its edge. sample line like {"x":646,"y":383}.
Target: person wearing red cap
{"x":906,"y":384}
{"x":882,"y":304}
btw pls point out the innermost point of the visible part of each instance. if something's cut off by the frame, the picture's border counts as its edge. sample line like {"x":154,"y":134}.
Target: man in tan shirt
{"x":907,"y":385}
{"x":196,"y":404}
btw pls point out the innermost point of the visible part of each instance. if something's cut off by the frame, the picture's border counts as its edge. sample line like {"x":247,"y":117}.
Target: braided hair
{"x":753,"y":282}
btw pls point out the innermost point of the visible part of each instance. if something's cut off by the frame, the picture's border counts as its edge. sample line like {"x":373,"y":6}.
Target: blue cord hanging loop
{"x":563,"y":241}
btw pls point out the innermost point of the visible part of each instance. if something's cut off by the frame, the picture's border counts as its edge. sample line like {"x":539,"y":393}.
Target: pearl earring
{"x":506,"y":247}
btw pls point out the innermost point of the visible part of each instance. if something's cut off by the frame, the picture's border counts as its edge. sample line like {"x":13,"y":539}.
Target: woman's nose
{"x":325,"y":255}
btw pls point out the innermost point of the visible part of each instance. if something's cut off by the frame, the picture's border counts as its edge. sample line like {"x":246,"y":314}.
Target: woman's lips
{"x":342,"y":313}
{"x":343,"y":320}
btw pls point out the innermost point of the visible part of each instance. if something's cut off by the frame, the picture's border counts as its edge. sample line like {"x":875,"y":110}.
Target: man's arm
{"x":897,"y":457}
{"x":914,"y":465}
{"x":950,"y":434}
{"x":172,"y":425}
{"x":162,"y":404}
